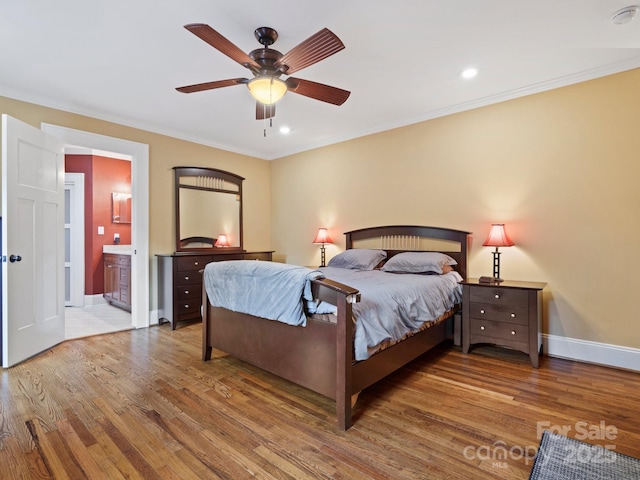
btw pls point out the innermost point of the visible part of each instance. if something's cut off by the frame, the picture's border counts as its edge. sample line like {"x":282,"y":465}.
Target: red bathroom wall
{"x":102,"y":177}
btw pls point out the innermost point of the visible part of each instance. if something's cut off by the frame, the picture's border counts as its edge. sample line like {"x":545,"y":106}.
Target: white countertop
{"x":117,"y":249}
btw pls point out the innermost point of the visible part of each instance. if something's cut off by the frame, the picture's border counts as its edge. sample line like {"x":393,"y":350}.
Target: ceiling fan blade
{"x":199,"y":87}
{"x":265,"y":111}
{"x":318,"y":91}
{"x":217,"y":41}
{"x":315,"y":48}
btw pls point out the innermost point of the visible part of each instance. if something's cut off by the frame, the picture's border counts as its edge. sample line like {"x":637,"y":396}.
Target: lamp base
{"x":490,"y":280}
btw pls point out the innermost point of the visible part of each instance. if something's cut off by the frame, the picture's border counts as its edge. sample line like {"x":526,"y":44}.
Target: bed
{"x":320,"y":355}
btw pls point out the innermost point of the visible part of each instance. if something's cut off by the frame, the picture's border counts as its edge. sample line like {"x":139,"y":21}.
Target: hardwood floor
{"x":141,"y":404}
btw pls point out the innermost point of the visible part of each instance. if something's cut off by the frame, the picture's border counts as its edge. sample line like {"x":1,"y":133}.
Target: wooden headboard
{"x":402,"y":238}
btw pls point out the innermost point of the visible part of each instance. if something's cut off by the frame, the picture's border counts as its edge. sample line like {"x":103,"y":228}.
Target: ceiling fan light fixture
{"x":267,"y":90}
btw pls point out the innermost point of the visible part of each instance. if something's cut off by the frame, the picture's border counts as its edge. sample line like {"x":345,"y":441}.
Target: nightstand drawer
{"x":189,"y":278}
{"x":499,"y":296}
{"x":494,"y":331}
{"x":499,"y":313}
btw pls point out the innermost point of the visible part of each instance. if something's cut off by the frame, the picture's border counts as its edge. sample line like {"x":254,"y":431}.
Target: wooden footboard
{"x":293,"y":353}
{"x":318,"y":356}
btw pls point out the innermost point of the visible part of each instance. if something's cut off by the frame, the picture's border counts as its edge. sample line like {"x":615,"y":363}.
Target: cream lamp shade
{"x":267,"y":90}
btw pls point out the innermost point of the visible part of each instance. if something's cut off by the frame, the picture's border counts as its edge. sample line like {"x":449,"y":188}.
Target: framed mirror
{"x":208,"y":210}
{"x":120,"y":207}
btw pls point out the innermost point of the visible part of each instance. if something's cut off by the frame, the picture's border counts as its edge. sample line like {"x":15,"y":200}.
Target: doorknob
{"x":15,"y":258}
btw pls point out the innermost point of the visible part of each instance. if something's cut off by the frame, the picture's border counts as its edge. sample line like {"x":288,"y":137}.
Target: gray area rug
{"x":560,"y":458}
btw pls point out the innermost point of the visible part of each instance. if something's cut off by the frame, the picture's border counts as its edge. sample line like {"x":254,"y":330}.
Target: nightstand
{"x":506,"y":314}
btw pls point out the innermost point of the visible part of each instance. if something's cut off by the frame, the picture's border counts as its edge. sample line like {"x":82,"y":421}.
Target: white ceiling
{"x":120,"y":60}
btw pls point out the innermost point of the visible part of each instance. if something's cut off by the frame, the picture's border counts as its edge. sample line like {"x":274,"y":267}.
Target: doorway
{"x":85,"y":314}
{"x":139,"y":154}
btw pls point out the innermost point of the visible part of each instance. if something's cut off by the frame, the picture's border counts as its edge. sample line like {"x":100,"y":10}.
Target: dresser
{"x":507,"y":314}
{"x":180,"y":282}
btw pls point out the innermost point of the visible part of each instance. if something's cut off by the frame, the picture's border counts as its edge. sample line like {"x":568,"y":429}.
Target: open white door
{"x":32,"y":241}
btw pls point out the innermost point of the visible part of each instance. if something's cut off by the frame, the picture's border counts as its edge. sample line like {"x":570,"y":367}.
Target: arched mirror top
{"x":208,"y":210}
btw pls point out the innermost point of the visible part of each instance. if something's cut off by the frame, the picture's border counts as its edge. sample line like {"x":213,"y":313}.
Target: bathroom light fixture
{"x":322,"y":238}
{"x":267,"y":89}
{"x":497,"y":238}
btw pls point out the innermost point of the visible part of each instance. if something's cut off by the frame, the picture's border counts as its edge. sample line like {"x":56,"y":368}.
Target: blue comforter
{"x":271,"y":290}
{"x":394,"y":305}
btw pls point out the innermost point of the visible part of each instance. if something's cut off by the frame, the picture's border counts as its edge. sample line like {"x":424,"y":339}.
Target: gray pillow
{"x":419,"y":262}
{"x":358,"y":259}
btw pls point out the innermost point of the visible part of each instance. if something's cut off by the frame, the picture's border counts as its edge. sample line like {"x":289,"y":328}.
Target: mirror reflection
{"x":208,"y":209}
{"x":208,"y":214}
{"x":120,"y":207}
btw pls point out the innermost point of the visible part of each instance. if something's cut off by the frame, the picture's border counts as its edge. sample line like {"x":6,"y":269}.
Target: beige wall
{"x":560,"y":168}
{"x":165,"y":153}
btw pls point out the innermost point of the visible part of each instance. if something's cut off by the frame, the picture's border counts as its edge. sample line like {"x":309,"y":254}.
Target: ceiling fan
{"x":267,"y":65}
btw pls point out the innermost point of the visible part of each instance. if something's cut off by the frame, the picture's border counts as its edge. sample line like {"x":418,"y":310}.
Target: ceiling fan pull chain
{"x":264,"y":128}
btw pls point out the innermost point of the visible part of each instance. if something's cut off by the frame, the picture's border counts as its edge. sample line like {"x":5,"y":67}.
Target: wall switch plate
{"x":100,"y":230}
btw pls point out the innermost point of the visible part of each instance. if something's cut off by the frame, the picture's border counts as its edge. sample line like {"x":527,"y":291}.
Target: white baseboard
{"x":591,"y":352}
{"x":153,"y":317}
{"x":91,"y":300}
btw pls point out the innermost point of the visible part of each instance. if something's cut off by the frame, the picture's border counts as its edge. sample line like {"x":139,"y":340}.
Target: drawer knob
{"x":481,"y":327}
{"x":186,"y":292}
{"x":186,"y":278}
{"x":513,"y":332}
{"x":513,"y":315}
{"x":482,"y":310}
{"x":195,"y":263}
{"x":187,"y":306}
{"x":497,"y":295}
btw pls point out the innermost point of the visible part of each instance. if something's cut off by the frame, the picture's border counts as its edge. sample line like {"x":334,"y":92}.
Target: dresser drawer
{"x":189,"y":306}
{"x":499,"y":313}
{"x":189,"y":291}
{"x":227,"y":256}
{"x":192,"y":277}
{"x":266,"y":256}
{"x":499,"y":296}
{"x":495,"y":331}
{"x":192,"y":262}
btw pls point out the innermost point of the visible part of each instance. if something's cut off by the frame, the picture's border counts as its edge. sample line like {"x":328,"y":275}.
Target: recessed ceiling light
{"x":284,"y":130}
{"x":469,"y":73}
{"x":624,"y":15}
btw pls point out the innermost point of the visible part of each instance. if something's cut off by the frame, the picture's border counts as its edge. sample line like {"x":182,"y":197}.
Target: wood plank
{"x":142,"y":404}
